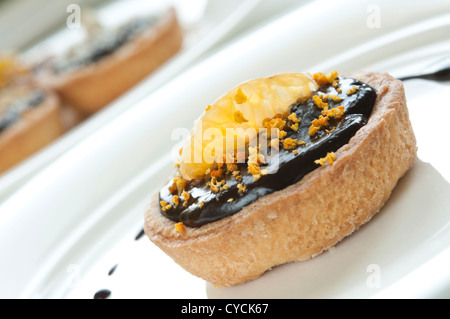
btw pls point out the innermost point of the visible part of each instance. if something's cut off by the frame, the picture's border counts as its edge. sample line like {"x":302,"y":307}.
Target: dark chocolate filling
{"x":14,"y":111}
{"x":289,"y":168}
{"x":102,"y":46}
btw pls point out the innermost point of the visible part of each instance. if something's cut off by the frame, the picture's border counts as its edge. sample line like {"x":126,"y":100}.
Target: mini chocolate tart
{"x":112,"y":61}
{"x":29,"y":120}
{"x":29,"y":114}
{"x":101,"y":45}
{"x":341,"y":147}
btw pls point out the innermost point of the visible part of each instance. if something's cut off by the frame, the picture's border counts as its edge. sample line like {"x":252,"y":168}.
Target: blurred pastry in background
{"x":30,"y":115}
{"x":111,"y":61}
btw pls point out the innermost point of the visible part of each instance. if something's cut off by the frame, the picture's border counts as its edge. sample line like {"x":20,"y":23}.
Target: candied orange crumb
{"x":317,"y":124}
{"x":173,"y":188}
{"x":208,"y":108}
{"x":180,"y":227}
{"x":255,"y":156}
{"x":294,"y":127}
{"x":333,"y":76}
{"x":276,"y":123}
{"x":217,"y":173}
{"x":293,"y":118}
{"x":289,"y":143}
{"x":330,"y":157}
{"x":232,"y":167}
{"x":201,"y":204}
{"x":320,"y":103}
{"x":254,"y":168}
{"x":166,"y":207}
{"x":321,"y":121}
{"x":322,"y":79}
{"x":333,"y":97}
{"x":351,"y":91}
{"x":186,"y":197}
{"x":336,"y":112}
{"x":175,"y":200}
{"x":242,"y":188}
{"x":178,"y":185}
{"x":163,"y":203}
{"x":215,"y":184}
{"x":281,"y":134}
{"x":313,"y":130}
{"x":275,"y":143}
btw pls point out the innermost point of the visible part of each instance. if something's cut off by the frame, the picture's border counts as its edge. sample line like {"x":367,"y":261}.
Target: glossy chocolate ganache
{"x":306,"y":138}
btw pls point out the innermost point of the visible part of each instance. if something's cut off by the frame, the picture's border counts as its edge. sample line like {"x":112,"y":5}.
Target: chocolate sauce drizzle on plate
{"x":106,"y":293}
{"x":140,"y":234}
{"x":289,"y":167}
{"x":440,"y":72}
{"x":102,"y":294}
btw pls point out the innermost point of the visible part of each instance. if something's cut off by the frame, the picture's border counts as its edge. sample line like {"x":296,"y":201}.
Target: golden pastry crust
{"x":90,"y":88}
{"x":35,"y":129}
{"x":309,"y":217}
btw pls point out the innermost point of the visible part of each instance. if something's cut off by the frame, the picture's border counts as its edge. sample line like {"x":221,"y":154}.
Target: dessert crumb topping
{"x":180,"y":227}
{"x":289,"y":143}
{"x":322,"y":79}
{"x":293,"y":117}
{"x":186,"y":197}
{"x":242,"y":188}
{"x":320,"y":103}
{"x":165,"y":206}
{"x":330,"y":158}
{"x":175,"y":200}
{"x":353,"y":90}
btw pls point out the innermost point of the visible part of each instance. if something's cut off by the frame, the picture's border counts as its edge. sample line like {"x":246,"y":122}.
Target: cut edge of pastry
{"x":306,"y":218}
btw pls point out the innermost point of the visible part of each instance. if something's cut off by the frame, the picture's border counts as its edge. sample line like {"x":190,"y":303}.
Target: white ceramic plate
{"x":205,"y":28}
{"x":62,"y":233}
